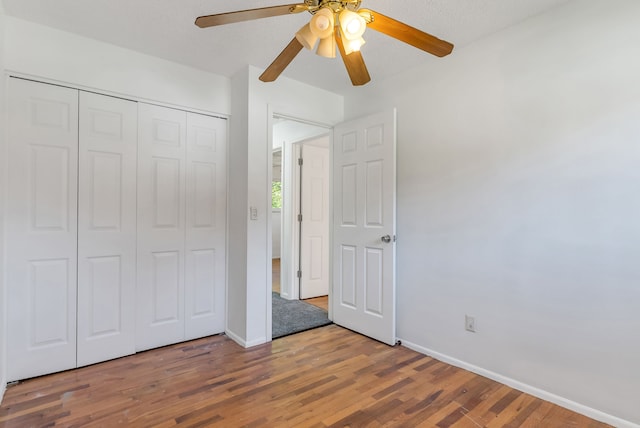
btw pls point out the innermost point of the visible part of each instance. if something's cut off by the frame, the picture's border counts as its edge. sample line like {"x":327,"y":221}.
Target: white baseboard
{"x":285,"y":296}
{"x":256,"y":342}
{"x":236,"y":338}
{"x":536,"y":392}
{"x":3,"y":388}
{"x":244,"y":343}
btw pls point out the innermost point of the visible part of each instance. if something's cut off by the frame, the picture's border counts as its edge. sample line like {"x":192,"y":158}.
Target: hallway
{"x":321,"y":302}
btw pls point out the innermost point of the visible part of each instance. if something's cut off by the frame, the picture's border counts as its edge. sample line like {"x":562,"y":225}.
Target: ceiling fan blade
{"x":282,"y":61}
{"x":354,"y":63}
{"x":408,"y":34}
{"x":248,"y":15}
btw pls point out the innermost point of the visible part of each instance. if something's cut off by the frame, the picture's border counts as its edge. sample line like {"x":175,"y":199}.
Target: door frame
{"x":273,"y":113}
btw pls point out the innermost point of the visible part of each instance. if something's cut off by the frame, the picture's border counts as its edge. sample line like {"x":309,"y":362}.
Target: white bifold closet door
{"x":42,"y":229}
{"x":161,"y":227}
{"x":116,"y":217}
{"x":106,"y":228}
{"x":181,"y":226}
{"x":206,"y":214}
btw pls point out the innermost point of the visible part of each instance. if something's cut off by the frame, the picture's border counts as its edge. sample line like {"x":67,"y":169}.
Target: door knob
{"x":386,"y":239}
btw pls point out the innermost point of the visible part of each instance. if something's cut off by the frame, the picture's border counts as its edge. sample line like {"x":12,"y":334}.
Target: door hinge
{"x":299,"y":274}
{"x":300,"y":161}
{"x":300,"y":217}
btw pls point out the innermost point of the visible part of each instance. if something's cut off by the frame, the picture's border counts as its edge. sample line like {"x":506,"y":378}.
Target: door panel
{"x":41,"y":242}
{"x":314,"y":256}
{"x":374,"y":205}
{"x":106,"y":228}
{"x":166,"y":288}
{"x":49,"y":188}
{"x":105,"y":202}
{"x":373,"y":287}
{"x":205,"y":226}
{"x":363,"y":295}
{"x":103,"y":286}
{"x":347,"y":280}
{"x":348,"y":191}
{"x":167,"y":192}
{"x":48,"y":284}
{"x":161,"y":230}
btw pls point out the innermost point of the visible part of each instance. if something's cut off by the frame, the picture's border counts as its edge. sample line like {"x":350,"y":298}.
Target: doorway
{"x":288,"y":134}
{"x":289,"y":137}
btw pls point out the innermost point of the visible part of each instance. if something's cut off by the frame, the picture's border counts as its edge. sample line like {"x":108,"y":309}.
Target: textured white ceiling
{"x":165,"y":28}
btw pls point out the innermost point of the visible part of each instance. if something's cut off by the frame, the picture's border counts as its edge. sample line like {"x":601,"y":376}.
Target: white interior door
{"x":364,"y":188}
{"x":314,"y":234}
{"x":106,"y":228}
{"x":205,"y":226}
{"x":161,"y":226}
{"x":41,"y":242}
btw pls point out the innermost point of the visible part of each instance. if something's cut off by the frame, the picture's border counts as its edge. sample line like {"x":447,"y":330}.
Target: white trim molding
{"x":526,"y":388}
{"x":245,"y":344}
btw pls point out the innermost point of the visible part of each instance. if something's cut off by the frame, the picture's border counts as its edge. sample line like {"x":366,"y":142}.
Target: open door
{"x":364,"y":199}
{"x":314,"y":218}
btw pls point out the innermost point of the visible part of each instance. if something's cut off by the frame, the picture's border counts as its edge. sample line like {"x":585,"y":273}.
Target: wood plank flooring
{"x":322,"y":302}
{"x":275,"y":275}
{"x":327,"y":377}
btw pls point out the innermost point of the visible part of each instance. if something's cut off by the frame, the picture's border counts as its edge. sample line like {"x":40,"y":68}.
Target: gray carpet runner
{"x":294,"y":316}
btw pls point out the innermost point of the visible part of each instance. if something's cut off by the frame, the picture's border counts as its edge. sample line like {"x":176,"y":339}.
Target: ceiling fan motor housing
{"x":335,"y":5}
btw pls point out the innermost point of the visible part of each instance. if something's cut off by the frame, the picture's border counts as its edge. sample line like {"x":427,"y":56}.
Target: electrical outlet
{"x":470,"y":323}
{"x":253,"y":213}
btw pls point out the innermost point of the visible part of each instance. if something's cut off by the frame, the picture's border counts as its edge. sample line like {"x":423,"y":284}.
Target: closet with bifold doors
{"x":115,"y":227}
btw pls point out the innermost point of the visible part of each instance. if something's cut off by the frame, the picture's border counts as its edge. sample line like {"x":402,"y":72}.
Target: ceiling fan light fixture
{"x":351,"y":46}
{"x":339,"y":25}
{"x":327,"y":47}
{"x":306,"y":37}
{"x":322,"y":23}
{"x":352,"y":25}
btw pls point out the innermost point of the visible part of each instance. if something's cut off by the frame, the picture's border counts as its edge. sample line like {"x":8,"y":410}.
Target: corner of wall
{"x":3,"y":158}
{"x":237,"y":207}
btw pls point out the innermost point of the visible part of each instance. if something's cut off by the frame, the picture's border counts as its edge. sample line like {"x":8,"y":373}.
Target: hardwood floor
{"x":275,"y":275}
{"x":321,"y":302}
{"x":327,"y":377}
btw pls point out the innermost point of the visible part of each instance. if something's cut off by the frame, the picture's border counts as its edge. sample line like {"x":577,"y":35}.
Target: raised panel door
{"x":41,"y":219}
{"x":205,"y":226}
{"x":314,"y":241}
{"x":363,"y":296}
{"x":161,"y":232}
{"x":106,"y":228}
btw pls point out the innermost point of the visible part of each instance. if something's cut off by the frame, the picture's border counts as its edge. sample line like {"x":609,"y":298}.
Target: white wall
{"x":58,"y":56}
{"x":518,"y":181}
{"x":238,"y":209}
{"x":3,"y":169}
{"x":276,"y":231}
{"x":289,"y":98}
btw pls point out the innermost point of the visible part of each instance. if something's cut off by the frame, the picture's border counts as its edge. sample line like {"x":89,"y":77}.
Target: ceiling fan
{"x":334,"y":23}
